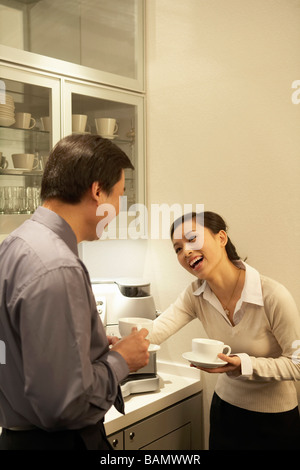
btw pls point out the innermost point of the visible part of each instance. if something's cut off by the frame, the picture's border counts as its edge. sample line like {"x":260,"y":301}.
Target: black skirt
{"x":234,"y":428}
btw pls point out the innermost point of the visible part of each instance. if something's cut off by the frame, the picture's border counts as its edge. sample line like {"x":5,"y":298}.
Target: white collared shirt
{"x":251,"y":293}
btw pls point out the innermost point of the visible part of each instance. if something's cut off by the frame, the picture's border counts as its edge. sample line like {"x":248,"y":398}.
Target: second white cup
{"x":24,"y":121}
{"x":79,"y":122}
{"x":46,"y":123}
{"x":25,"y":161}
{"x":126,"y":324}
{"x":208,"y":349}
{"x":106,"y":126}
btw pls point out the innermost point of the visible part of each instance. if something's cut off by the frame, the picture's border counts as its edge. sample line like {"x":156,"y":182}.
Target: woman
{"x":255,"y":402}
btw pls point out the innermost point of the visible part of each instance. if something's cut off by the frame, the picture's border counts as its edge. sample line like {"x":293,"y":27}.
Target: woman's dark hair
{"x":214,"y":223}
{"x":76,"y":162}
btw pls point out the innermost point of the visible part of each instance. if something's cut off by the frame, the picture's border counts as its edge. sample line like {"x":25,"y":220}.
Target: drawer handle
{"x":131,"y":436}
{"x":115,"y":442}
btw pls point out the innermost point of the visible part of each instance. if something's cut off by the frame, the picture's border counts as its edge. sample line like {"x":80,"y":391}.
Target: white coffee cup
{"x":46,"y":123}
{"x":24,"y":121}
{"x":208,"y":349}
{"x":126,"y":324}
{"x":78,"y":122}
{"x":25,"y":161}
{"x":106,"y":126}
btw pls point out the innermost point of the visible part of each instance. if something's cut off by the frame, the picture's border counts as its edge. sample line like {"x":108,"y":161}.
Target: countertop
{"x":177,"y":382}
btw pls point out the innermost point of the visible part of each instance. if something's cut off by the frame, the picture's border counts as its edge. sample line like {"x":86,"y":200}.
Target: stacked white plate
{"x":7,"y":111}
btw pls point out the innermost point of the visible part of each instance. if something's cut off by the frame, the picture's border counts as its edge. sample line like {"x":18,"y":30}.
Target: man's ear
{"x":96,"y":191}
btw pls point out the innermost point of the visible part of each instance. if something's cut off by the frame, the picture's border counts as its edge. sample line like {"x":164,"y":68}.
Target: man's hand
{"x":134,"y":349}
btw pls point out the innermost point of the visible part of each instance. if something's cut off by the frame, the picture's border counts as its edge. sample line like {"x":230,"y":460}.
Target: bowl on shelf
{"x":7,"y":121}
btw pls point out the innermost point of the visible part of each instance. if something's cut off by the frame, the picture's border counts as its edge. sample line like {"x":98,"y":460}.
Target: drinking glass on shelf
{"x":19,"y":200}
{"x":32,"y":199}
{"x":37,"y":197}
{"x":12,"y":200}
{"x":23,"y":202}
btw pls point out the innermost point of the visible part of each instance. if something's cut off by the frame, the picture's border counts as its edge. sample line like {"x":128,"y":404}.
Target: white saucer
{"x":196,"y":361}
{"x":14,"y":171}
{"x":22,"y":169}
{"x":153,"y":348}
{"x":111,"y":137}
{"x":84,"y":132}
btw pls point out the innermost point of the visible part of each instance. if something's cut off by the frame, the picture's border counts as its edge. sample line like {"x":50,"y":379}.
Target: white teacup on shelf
{"x":79,"y":122}
{"x":25,"y":161}
{"x":24,"y":121}
{"x":106,"y":127}
{"x":46,"y":123}
{"x":43,"y":161}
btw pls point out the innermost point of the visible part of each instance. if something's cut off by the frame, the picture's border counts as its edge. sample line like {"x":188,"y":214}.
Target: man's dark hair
{"x":76,"y":162}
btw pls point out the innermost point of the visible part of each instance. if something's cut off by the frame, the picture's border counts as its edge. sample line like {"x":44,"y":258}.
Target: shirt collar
{"x":252,"y":291}
{"x":58,"y":225}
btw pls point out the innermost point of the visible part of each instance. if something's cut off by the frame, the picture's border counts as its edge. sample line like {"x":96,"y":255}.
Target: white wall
{"x":222,"y":130}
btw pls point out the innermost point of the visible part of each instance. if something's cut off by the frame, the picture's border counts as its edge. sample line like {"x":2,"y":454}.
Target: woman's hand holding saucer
{"x":234,"y":365}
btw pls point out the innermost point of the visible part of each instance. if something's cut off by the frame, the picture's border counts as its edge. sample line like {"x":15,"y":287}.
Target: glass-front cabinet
{"x":71,"y":66}
{"x":36,"y":110}
{"x":116,"y":115}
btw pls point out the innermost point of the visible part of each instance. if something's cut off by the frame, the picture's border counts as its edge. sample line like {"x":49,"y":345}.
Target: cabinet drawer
{"x":187,"y":412}
{"x":178,"y":439}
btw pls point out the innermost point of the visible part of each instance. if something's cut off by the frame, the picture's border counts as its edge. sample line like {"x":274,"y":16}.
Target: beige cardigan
{"x":268,"y":332}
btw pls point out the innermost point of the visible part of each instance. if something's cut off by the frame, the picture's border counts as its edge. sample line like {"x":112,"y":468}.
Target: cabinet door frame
{"x":52,"y":82}
{"x":9,"y":222}
{"x":119,"y":96}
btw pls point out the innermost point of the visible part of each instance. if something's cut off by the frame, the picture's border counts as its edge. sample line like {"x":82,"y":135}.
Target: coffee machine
{"x":122,"y":298}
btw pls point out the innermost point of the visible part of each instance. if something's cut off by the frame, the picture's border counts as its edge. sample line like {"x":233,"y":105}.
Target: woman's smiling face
{"x":199,"y":250}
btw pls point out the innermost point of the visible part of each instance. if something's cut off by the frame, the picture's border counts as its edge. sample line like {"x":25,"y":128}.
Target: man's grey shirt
{"x":59,"y":370}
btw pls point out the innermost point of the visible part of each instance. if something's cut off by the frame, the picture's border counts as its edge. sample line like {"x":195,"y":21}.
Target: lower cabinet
{"x":178,"y":427}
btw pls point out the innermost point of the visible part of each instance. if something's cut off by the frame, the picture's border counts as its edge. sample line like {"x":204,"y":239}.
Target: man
{"x":60,"y":376}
